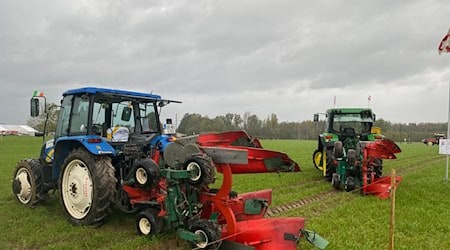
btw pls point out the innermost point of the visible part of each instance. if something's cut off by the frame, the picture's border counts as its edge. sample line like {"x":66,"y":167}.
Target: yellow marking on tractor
{"x":375,"y":130}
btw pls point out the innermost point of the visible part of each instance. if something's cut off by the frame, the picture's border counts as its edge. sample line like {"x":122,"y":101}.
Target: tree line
{"x":268,"y":128}
{"x":271,"y":128}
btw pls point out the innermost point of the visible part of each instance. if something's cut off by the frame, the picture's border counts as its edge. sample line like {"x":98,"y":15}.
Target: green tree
{"x":237,"y":121}
{"x":254,"y":125}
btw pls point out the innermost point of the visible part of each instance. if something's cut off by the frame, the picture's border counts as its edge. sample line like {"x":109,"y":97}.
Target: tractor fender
{"x":64,"y":145}
{"x":326,"y":143}
{"x":47,"y":152}
{"x":373,"y":137}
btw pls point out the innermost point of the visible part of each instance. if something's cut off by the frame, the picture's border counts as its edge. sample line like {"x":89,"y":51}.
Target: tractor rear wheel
{"x":201,"y":168}
{"x":148,"y":222}
{"x":317,"y":158}
{"x":87,"y":187}
{"x":27,"y":184}
{"x":209,"y":233}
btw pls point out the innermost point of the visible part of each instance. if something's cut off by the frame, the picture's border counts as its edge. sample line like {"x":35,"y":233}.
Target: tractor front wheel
{"x":27,"y":184}
{"x":87,"y":187}
{"x":209,"y":234}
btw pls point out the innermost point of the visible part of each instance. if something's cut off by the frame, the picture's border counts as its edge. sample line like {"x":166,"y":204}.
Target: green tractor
{"x":339,"y":147}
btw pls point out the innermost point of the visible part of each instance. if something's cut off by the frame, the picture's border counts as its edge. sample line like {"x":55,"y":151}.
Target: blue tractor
{"x":103,"y":138}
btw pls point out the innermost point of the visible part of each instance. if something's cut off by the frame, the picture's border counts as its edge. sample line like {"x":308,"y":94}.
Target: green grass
{"x":347,"y":220}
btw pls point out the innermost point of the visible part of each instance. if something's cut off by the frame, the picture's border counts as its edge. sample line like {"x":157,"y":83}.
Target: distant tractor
{"x":434,"y":140}
{"x":350,"y":151}
{"x":347,"y":126}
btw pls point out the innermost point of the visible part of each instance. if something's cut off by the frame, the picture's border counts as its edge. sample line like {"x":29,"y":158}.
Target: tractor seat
{"x":348,"y":132}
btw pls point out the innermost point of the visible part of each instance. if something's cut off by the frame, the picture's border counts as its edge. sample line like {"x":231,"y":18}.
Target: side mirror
{"x":374,"y":117}
{"x":316,"y":117}
{"x":126,"y":114}
{"x":34,"y":107}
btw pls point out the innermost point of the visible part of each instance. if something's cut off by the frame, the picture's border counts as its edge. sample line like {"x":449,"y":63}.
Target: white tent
{"x":2,"y":130}
{"x":17,"y":130}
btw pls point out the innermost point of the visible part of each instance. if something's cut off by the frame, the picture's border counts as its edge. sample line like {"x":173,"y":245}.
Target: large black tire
{"x":27,"y":184}
{"x":338,"y":149}
{"x":335,"y":182}
{"x":351,"y":157}
{"x":87,"y":187}
{"x":331,"y":169}
{"x":202,"y":169}
{"x":210,"y":233}
{"x":148,"y":222}
{"x":377,"y":165}
{"x":317,"y":159}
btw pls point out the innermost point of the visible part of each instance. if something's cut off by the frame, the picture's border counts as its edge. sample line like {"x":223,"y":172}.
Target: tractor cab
{"x":347,"y":123}
{"x":103,"y":121}
{"x":112,"y":114}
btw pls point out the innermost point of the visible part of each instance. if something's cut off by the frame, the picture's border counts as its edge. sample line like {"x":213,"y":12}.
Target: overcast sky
{"x":284,"y":57}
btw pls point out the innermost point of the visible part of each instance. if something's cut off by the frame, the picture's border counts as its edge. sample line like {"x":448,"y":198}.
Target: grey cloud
{"x":218,"y":50}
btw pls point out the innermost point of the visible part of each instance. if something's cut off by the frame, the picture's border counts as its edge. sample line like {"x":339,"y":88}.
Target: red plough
{"x":242,"y":216}
{"x":259,"y":160}
{"x":243,"y":221}
{"x":381,"y":149}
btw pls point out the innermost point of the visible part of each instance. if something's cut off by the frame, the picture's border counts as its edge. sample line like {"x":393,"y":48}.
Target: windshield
{"x":361,"y":124}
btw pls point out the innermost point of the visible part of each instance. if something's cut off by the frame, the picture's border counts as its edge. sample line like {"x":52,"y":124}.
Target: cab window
{"x":79,"y":117}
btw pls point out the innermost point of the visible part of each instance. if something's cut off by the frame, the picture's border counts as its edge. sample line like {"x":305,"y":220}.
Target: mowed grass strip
{"x":347,"y":220}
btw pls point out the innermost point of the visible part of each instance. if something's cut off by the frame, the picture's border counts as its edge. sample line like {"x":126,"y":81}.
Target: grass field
{"x":347,"y":220}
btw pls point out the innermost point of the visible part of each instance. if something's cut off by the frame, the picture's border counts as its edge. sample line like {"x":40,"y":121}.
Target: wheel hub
{"x":195,"y":171}
{"x":145,"y":226}
{"x":73,"y":190}
{"x":24,"y":186}
{"x":141,"y":176}
{"x":204,"y":239}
